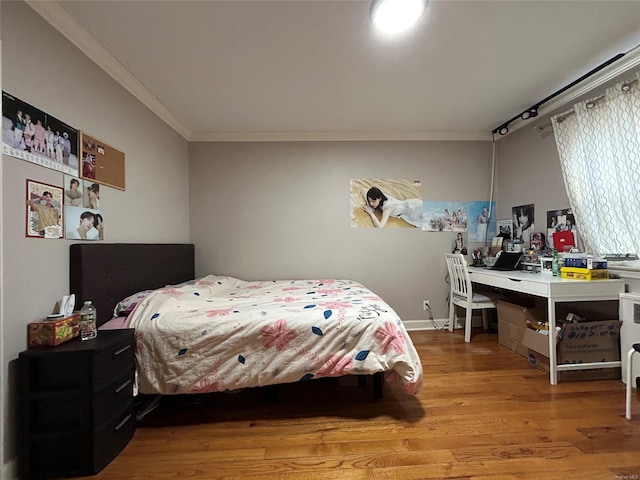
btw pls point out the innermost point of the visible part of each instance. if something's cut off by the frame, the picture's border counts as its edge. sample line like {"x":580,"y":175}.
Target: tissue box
{"x":49,"y":333}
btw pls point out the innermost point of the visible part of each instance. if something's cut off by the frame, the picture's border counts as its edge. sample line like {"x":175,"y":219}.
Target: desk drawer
{"x":528,"y":286}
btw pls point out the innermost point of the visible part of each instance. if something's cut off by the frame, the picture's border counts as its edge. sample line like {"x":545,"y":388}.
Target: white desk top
{"x":544,"y":284}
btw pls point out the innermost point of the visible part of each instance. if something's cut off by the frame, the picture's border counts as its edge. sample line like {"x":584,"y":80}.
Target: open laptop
{"x":507,"y":261}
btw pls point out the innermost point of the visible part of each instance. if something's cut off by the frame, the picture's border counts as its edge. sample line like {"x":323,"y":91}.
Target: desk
{"x":555,"y":290}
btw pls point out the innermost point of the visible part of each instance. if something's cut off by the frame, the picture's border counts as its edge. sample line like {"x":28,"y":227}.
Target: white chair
{"x":462,"y":295}
{"x":635,"y":348}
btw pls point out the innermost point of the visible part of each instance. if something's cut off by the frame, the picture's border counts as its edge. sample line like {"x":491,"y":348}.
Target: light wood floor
{"x":484,"y":414}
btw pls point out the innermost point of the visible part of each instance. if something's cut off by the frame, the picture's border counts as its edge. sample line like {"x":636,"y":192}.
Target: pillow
{"x":124,"y":307}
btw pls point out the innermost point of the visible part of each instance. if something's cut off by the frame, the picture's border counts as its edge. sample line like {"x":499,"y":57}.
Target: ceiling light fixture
{"x":395,"y":16}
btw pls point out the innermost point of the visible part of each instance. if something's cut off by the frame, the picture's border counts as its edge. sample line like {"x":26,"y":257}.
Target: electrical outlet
{"x":425,"y":305}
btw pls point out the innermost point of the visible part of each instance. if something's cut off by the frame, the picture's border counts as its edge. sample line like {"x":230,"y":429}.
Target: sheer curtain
{"x":599,"y":146}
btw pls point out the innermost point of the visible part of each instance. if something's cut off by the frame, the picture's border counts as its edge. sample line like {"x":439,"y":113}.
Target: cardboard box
{"x":586,"y":342}
{"x":512,"y":325}
{"x":49,"y":333}
{"x":584,"y":273}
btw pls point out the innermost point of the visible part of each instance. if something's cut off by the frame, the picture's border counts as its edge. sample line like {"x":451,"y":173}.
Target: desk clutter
{"x":578,"y":266}
{"x":578,"y":340}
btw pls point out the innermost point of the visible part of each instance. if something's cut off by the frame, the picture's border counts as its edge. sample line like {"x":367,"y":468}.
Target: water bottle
{"x":555,"y":266}
{"x":88,"y":319}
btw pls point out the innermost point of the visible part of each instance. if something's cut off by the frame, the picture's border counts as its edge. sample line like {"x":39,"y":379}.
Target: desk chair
{"x":462,"y":295}
{"x":635,"y":348}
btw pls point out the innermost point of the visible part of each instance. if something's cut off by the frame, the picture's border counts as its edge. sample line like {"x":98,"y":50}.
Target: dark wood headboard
{"x":106,"y":273}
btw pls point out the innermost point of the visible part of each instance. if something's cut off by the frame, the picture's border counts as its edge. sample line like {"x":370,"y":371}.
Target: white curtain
{"x":599,"y":146}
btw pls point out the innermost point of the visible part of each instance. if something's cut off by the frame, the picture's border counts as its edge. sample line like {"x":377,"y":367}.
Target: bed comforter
{"x":222,"y":333}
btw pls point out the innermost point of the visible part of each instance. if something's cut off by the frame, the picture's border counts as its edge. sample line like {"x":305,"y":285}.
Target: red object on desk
{"x":563,"y":241}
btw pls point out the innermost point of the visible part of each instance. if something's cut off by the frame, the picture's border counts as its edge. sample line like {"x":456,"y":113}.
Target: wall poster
{"x":101,"y":163}
{"x":523,"y":223}
{"x":44,"y":210}
{"x":482,"y":221}
{"x":84,"y":219}
{"x":445,"y":216}
{"x":30,"y":134}
{"x":377,"y":203}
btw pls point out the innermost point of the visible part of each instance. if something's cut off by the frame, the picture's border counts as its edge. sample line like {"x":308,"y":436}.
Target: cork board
{"x":101,"y":163}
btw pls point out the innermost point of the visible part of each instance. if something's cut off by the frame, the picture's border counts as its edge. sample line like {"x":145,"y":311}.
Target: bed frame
{"x":106,"y":273}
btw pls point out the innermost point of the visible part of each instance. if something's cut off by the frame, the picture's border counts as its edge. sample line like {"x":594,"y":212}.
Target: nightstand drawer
{"x":112,"y":438}
{"x":113,"y":400}
{"x":113,"y":363}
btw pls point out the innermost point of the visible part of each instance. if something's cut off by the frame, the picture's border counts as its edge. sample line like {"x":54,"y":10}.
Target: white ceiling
{"x":314,"y":69}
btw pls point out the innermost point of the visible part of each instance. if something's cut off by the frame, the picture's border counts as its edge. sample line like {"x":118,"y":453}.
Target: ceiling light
{"x":394,"y":16}
{"x":503,"y":130}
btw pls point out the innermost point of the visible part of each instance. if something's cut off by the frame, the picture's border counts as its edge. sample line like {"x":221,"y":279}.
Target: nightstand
{"x":76,"y":404}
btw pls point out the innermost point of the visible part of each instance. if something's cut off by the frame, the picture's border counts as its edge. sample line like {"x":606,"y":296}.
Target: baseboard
{"x":437,"y":323}
{"x":10,"y":470}
{"x":424,"y":324}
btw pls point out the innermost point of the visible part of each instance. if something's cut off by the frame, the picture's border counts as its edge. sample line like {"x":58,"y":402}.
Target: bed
{"x":220,"y":333}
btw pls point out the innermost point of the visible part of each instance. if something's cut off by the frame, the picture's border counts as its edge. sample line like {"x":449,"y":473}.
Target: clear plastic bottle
{"x":555,"y":265}
{"x":88,"y":321}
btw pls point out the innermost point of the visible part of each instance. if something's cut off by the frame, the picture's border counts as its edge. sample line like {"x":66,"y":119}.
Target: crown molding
{"x":59,"y":19}
{"x":336,"y":136}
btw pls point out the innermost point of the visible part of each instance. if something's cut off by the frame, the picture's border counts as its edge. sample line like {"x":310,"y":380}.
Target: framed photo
{"x":44,"y":210}
{"x":101,"y":163}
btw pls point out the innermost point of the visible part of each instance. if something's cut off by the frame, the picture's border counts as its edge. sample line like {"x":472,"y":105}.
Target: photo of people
{"x":459,"y":244}
{"x":504,"y":229}
{"x":482,"y":221}
{"x":84,"y":224}
{"x":72,"y":191}
{"x":44,"y":210}
{"x":523,"y":224}
{"x":561,"y":221}
{"x":91,"y":195}
{"x":37,"y":137}
{"x":386,"y":203}
{"x":445,"y":216}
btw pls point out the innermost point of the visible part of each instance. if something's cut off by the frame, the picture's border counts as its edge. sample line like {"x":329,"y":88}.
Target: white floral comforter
{"x":222,"y":333}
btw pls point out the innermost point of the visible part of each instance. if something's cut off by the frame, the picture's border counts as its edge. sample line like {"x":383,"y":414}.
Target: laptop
{"x":507,"y":261}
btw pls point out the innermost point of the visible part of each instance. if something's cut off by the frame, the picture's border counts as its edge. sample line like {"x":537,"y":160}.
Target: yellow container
{"x":584,"y":273}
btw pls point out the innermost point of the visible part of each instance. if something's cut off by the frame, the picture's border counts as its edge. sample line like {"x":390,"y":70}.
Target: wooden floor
{"x":483,"y":414}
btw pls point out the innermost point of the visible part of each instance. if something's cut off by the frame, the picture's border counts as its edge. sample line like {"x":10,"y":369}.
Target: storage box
{"x":49,"y":333}
{"x":584,"y":273}
{"x":585,"y":342}
{"x":584,"y":262}
{"x":512,"y":325}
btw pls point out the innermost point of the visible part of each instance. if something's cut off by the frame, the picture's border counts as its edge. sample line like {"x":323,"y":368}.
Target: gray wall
{"x":265,"y":210}
{"x":42,"y":68}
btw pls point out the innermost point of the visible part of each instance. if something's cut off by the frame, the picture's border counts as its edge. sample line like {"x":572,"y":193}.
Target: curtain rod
{"x":533,"y":110}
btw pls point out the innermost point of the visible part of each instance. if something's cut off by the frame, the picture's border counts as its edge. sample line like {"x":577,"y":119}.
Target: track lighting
{"x":530,"y":113}
{"x":533,"y":111}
